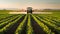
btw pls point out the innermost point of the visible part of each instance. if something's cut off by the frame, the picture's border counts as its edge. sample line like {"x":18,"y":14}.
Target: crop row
{"x":23,"y":24}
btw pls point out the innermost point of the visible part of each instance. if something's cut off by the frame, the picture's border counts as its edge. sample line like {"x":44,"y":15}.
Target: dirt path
{"x":13,"y":28}
{"x":37,"y":29}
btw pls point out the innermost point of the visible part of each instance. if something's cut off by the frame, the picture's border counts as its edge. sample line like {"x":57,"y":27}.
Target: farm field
{"x":29,"y":16}
{"x":29,"y":24}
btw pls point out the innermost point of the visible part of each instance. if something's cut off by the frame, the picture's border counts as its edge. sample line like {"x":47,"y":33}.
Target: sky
{"x":35,"y":4}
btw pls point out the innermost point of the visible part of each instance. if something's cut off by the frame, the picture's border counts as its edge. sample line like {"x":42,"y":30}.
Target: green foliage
{"x":9,"y":24}
{"x":20,"y":27}
{"x":29,"y":27}
{"x":44,"y":27}
{"x":49,"y":23}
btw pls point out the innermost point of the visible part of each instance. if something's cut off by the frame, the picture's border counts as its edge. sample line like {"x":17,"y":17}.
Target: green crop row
{"x":46,"y":21}
{"x":7,"y":21}
{"x":29,"y":27}
{"x":20,"y":27}
{"x":10,"y":24}
{"x":6,"y":18}
{"x":51,"y":20}
{"x":44,"y":27}
{"x":49,"y":24}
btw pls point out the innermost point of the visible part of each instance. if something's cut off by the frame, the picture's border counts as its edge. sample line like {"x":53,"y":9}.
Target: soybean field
{"x":29,"y":24}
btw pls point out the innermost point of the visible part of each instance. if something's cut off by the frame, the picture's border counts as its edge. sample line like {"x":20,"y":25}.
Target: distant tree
{"x":4,"y":9}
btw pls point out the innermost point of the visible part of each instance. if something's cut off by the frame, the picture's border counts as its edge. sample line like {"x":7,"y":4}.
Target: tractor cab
{"x":29,"y":10}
